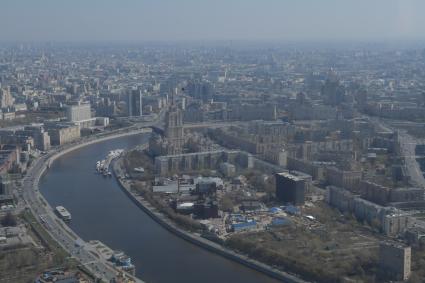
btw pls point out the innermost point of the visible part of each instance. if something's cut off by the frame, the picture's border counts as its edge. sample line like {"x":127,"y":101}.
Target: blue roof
{"x":238,"y":217}
{"x":280,"y":221}
{"x":274,"y":209}
{"x":244,"y":225}
{"x":292,"y":209}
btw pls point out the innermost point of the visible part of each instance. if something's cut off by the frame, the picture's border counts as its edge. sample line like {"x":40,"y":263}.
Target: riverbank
{"x":93,"y":141}
{"x":64,"y":235}
{"x":195,"y":238}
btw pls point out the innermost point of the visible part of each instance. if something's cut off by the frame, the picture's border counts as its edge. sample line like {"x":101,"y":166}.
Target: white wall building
{"x":78,"y":113}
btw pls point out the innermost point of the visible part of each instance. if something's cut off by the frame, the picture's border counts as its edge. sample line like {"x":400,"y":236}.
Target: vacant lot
{"x":326,"y":249}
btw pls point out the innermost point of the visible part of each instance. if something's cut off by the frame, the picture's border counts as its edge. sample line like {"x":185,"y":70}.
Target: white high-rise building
{"x":78,"y":113}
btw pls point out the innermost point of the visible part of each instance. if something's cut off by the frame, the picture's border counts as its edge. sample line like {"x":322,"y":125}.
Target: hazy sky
{"x":146,"y":20}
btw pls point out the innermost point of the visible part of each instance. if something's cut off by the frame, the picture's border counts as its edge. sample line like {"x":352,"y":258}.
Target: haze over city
{"x":170,"y":20}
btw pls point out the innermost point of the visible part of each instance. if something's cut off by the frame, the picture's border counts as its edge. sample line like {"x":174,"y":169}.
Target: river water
{"x":101,"y":211}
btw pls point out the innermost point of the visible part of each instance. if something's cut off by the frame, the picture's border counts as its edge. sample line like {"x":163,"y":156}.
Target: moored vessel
{"x":63,"y":213}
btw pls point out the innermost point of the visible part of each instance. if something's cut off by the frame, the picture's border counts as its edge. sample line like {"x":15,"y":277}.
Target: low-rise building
{"x":243,"y":226}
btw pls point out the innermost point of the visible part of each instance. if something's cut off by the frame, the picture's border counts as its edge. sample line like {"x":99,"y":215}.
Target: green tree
{"x":226,"y":204}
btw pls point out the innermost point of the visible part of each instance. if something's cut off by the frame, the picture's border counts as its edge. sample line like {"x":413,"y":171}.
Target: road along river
{"x":101,"y":211}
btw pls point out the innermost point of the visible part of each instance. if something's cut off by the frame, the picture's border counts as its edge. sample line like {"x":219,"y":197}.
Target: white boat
{"x":63,"y":213}
{"x":139,"y":170}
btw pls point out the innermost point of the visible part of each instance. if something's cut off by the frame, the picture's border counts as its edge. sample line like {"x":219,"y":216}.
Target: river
{"x":101,"y":211}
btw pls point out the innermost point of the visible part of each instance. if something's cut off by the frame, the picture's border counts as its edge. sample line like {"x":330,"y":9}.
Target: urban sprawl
{"x":287,"y":156}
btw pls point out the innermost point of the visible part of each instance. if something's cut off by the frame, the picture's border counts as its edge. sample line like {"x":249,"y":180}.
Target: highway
{"x":407,"y":146}
{"x":57,"y":229}
{"x":407,"y":151}
{"x":215,"y":124}
{"x":30,"y":198}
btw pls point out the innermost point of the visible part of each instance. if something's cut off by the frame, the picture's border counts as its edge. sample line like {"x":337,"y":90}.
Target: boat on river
{"x":63,"y":213}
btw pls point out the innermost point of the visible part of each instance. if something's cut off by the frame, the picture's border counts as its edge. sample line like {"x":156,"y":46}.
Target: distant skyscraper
{"x":135,"y":103}
{"x":203,"y":90}
{"x":174,"y":130}
{"x":332,"y":91}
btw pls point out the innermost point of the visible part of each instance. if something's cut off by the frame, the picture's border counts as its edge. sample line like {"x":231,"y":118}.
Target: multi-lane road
{"x":30,"y":198}
{"x":57,"y":229}
{"x":407,"y":151}
{"x":407,"y":146}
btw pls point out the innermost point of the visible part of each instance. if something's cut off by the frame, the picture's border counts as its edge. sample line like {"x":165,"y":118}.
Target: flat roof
{"x":289,"y":176}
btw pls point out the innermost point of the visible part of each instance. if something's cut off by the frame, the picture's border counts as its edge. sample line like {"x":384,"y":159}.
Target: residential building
{"x":395,"y":260}
{"x":291,"y":187}
{"x":62,"y":134}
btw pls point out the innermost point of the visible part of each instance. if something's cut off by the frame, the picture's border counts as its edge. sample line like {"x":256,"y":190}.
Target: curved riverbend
{"x":100,"y":210}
